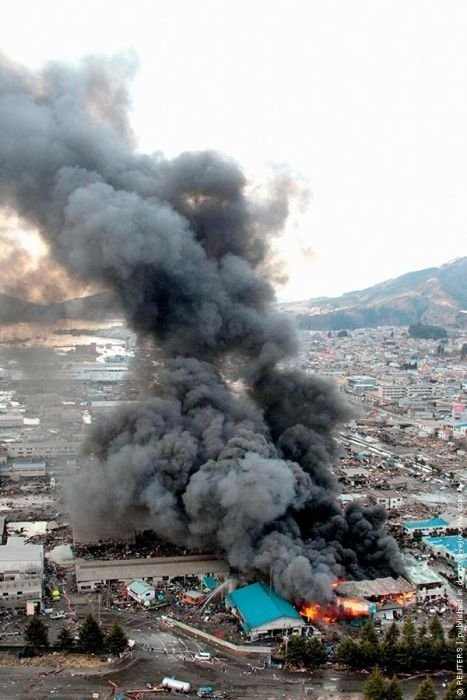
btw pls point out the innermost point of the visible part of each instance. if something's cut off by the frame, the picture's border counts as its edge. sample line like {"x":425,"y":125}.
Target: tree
{"x":452,"y":692}
{"x":436,"y":630}
{"x":348,"y":653}
{"x":374,"y":688}
{"x":315,"y":653}
{"x":36,"y":634}
{"x":424,"y":330}
{"x":393,"y":690}
{"x":294,"y":651}
{"x":424,"y":651}
{"x":406,"y":648}
{"x":116,"y":640}
{"x":65,"y":639}
{"x":389,"y":647}
{"x":426,"y":690}
{"x":369,"y":645}
{"x":91,"y":639}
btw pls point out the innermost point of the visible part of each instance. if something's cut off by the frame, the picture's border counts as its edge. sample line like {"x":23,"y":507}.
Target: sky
{"x":364,"y":102}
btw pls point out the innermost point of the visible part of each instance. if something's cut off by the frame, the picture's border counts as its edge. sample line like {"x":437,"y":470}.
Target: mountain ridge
{"x":434,"y":295}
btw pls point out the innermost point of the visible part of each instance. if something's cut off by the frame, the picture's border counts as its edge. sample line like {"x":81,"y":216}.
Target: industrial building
{"x":42,"y":448}
{"x":262,"y":612}
{"x":100,"y":572}
{"x":21,"y":573}
{"x":453,"y":549}
{"x":379,"y":590}
{"x":425,"y":527}
{"x":429,"y":584}
{"x":26,"y":468}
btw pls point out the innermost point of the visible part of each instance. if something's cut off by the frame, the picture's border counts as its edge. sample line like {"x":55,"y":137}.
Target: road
{"x":161,"y":650}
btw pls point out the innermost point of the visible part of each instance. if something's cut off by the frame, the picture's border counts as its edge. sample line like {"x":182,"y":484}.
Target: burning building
{"x":380,"y":590}
{"x":184,"y":245}
{"x":343,"y":609}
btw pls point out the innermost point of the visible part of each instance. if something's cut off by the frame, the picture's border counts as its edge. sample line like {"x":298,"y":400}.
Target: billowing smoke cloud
{"x":185,"y":249}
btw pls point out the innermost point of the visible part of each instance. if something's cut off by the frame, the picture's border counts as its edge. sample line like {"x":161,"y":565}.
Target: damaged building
{"x":91,"y":575}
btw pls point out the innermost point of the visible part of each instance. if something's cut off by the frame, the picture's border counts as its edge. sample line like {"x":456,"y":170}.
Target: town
{"x":204,"y":627}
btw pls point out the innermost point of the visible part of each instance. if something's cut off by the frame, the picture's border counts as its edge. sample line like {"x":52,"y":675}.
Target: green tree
{"x":437,"y":647}
{"x":91,"y":639}
{"x":426,"y":690}
{"x":424,"y":652}
{"x":315,"y":653}
{"x":294,"y":650}
{"x":348,"y":653}
{"x":65,"y":639}
{"x":436,"y":630}
{"x":116,"y":640}
{"x":369,"y":646}
{"x":453,"y":689}
{"x":393,"y":690}
{"x":389,"y":648}
{"x":36,"y":634}
{"x":374,"y":688}
{"x":406,"y":648}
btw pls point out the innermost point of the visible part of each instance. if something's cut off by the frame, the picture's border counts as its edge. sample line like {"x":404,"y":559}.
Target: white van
{"x":203,"y":656}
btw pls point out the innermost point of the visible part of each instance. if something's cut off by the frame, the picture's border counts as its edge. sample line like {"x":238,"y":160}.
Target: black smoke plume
{"x":244,"y":470}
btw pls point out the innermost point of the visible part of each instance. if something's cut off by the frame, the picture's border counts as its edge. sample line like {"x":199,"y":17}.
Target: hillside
{"x":435,"y":295}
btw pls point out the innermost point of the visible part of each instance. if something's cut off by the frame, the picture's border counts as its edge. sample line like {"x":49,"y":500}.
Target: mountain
{"x":436,"y":295}
{"x":96,"y":307}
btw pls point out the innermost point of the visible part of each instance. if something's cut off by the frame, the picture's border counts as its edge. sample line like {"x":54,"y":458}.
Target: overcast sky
{"x":364,"y":101}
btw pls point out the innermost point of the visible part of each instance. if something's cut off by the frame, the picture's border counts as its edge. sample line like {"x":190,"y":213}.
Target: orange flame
{"x":401,"y":598}
{"x":342,"y":609}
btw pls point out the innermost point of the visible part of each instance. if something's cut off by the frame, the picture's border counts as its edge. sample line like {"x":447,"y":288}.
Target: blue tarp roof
{"x":418,"y":524}
{"x":258,"y":606}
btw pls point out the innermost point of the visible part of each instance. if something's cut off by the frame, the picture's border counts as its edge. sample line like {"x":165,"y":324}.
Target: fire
{"x":403,"y":598}
{"x":341,"y":609}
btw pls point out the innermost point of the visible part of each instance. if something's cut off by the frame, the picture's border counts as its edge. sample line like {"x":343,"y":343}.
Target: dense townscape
{"x":127,"y":601}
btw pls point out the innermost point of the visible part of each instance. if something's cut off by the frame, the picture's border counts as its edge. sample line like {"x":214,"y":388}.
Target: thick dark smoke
{"x":244,"y":471}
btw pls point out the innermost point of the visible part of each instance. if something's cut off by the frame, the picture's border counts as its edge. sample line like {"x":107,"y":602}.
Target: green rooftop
{"x":258,"y":605}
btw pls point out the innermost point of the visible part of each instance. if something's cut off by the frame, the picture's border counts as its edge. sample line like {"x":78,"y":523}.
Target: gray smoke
{"x":185,"y":249}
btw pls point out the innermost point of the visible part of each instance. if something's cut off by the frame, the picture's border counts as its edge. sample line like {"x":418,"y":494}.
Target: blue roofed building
{"x":262,"y":612}
{"x":434,"y":526}
{"x":453,"y":549}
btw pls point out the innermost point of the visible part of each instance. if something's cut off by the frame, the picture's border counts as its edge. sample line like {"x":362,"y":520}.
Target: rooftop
{"x":421,"y":524}
{"x":140,"y":587}
{"x":456,"y":546}
{"x":259,"y":605}
{"x":422,"y":574}
{"x":374,"y":588}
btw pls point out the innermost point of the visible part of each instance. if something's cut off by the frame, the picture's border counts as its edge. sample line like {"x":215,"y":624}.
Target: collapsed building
{"x":379,"y":590}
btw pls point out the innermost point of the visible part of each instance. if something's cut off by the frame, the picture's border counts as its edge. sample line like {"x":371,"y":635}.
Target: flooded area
{"x":63,"y":334}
